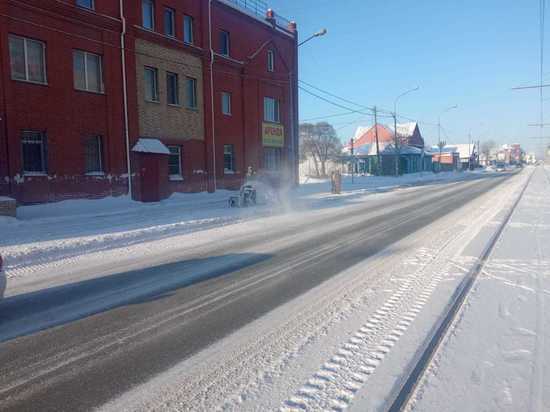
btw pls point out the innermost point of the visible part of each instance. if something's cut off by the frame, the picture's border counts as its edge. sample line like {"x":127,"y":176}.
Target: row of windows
{"x":28,"y":63}
{"x":34,"y":153}
{"x":151,"y":77}
{"x":271,"y":107}
{"x":34,"y":156}
{"x":169,"y":18}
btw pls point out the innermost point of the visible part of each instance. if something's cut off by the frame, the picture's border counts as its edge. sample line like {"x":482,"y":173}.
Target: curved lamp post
{"x":396,"y":139}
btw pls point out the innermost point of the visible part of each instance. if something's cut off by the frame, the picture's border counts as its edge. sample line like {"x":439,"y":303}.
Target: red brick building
{"x":82,"y":81}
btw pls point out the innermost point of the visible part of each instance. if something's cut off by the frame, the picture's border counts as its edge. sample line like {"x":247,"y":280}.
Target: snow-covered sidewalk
{"x":65,"y":230}
{"x":497,"y":357}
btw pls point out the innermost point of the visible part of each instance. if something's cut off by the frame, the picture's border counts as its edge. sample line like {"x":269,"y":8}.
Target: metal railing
{"x":258,"y":8}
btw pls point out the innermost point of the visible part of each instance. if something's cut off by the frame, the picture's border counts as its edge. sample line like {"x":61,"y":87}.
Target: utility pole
{"x":378,"y":161}
{"x":469,"y":151}
{"x":352,"y":160}
{"x":439,"y":143}
{"x":396,"y":143}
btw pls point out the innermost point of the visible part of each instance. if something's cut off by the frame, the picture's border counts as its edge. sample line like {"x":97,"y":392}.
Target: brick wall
{"x":160,"y":119}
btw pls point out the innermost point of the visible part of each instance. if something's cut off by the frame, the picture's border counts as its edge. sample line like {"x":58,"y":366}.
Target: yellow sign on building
{"x":273,"y":135}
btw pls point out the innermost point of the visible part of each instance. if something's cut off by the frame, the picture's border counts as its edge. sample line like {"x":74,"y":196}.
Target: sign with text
{"x":273,"y":135}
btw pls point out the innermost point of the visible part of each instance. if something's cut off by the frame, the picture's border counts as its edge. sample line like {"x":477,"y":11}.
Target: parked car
{"x":3,"y":279}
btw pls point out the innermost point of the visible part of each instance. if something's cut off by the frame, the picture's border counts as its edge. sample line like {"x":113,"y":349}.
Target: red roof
{"x":384,"y":135}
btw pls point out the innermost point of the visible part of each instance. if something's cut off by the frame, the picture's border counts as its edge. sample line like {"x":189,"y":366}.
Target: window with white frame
{"x":226,"y":103}
{"x":225,"y":43}
{"x":33,"y":152}
{"x":93,"y":153}
{"x":27,"y":59}
{"x":272,"y":158}
{"x":88,"y":73}
{"x":172,"y":88}
{"x":270,"y":61}
{"x":271,"y":110}
{"x":169,"y":22}
{"x":151,"y":84}
{"x":191,"y":93}
{"x":228,"y":158}
{"x":188,"y":29}
{"x":88,"y":4}
{"x":174,"y":161}
{"x":148,"y":14}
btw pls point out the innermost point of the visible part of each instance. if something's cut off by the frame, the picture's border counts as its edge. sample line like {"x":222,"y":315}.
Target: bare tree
{"x":320,"y":143}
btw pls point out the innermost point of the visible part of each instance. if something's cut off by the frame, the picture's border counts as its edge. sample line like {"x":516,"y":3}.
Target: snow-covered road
{"x":49,"y":242}
{"x":498,"y":354}
{"x":344,"y":344}
{"x":315,"y":309}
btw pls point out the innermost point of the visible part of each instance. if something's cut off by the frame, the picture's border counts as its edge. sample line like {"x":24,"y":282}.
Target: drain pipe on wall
{"x":125,"y":95}
{"x":212,"y":102}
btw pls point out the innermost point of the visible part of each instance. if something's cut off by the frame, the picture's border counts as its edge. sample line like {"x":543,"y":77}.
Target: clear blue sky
{"x":469,"y":53}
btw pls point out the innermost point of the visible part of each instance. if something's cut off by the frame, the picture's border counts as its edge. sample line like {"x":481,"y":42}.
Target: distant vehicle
{"x":501,"y":167}
{"x":3,"y":279}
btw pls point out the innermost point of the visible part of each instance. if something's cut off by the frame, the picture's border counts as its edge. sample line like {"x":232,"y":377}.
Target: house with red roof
{"x":374,"y":149}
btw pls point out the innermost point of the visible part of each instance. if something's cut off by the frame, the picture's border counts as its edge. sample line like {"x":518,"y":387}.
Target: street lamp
{"x":294,"y":98}
{"x":320,"y":33}
{"x":396,"y":143}
{"x":439,"y":143}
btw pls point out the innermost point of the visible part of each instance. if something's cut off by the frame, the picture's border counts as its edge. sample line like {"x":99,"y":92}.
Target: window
{"x":169,"y":22}
{"x":191,"y":94}
{"x":27,"y":59}
{"x":228,"y":158}
{"x":89,"y":4}
{"x":93,"y":152}
{"x":271,"y":110}
{"x":224,"y":43}
{"x":188,"y":30}
{"x":174,"y":161}
{"x":87,"y":71}
{"x":226,"y":103}
{"x":272,"y":158}
{"x":172,"y":88}
{"x":151,"y":84}
{"x":33,"y":148}
{"x":270,"y":61}
{"x":148,"y":14}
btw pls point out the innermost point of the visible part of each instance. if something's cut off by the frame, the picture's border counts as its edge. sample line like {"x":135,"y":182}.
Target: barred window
{"x":33,"y":149}
{"x":228,"y":158}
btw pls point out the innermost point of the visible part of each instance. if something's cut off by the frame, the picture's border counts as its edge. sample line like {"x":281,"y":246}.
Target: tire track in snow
{"x":334,"y":385}
{"x":251,"y":368}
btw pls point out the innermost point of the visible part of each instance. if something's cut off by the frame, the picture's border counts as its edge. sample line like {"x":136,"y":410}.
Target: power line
{"x":335,"y":96}
{"x":333,"y":103}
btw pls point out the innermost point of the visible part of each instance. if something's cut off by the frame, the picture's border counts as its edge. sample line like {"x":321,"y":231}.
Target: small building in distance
{"x":373,"y":150}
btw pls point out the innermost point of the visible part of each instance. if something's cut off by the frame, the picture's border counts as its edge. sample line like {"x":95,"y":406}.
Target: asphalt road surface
{"x":75,"y":347}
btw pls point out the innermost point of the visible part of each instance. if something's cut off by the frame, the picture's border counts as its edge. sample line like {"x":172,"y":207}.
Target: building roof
{"x":405,"y":129}
{"x":464,"y":150}
{"x":148,"y":145}
{"x":367,"y":136}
